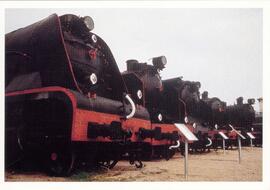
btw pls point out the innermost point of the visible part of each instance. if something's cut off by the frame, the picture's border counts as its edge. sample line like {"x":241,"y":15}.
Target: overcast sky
{"x":221,"y":48}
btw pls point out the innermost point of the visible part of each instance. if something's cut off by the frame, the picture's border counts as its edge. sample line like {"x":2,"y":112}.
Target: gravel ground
{"x":213,"y":166}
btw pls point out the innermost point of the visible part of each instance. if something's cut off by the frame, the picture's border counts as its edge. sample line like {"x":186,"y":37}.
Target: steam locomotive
{"x":228,"y":119}
{"x":66,"y":100}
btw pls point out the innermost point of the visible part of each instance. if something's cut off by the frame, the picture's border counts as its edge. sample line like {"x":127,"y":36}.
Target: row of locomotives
{"x":230,"y":120}
{"x":144,"y":83}
{"x":169,"y":102}
{"x":67,"y":105}
{"x":66,"y":101}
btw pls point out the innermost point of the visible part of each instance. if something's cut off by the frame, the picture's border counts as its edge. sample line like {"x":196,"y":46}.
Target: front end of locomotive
{"x":64,"y":88}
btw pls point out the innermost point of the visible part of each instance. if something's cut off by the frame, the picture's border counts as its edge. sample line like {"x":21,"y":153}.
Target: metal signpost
{"x":251,"y":137}
{"x":239,"y":137}
{"x":189,"y":136}
{"x":186,"y":159}
{"x":224,"y":137}
{"x":239,"y":149}
{"x":223,"y":145}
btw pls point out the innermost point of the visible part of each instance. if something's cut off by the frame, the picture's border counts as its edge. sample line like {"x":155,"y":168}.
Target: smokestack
{"x":205,"y":95}
{"x":251,"y":101}
{"x":239,"y":101}
{"x":132,"y":65}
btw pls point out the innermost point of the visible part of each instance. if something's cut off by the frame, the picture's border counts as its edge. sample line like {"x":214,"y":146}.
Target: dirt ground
{"x":213,"y":166}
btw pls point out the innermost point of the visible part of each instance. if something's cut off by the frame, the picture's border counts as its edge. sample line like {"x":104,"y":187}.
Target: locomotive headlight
{"x":93,"y":78}
{"x":159,"y":62}
{"x":89,"y":23}
{"x":160,"y":117}
{"x":94,"y":38}
{"x":139,"y":94}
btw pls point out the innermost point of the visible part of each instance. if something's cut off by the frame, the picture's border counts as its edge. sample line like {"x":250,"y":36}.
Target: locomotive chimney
{"x":239,"y":101}
{"x":205,"y":95}
{"x":251,"y":101}
{"x":132,"y":65}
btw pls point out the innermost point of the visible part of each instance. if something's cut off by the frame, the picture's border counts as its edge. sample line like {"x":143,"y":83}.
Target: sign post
{"x":251,"y":137}
{"x":224,"y":137}
{"x":239,"y":136}
{"x":186,"y":159}
{"x":188,"y":136}
{"x":239,"y":149}
{"x":223,"y":145}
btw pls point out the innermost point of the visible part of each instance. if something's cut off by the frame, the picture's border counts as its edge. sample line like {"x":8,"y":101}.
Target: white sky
{"x":221,"y":48}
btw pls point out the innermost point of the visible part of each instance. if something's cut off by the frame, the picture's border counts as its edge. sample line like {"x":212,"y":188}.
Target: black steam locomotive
{"x":66,"y":100}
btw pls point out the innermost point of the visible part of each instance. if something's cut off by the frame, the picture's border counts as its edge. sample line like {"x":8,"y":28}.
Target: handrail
{"x":175,"y":146}
{"x":133,"y":110}
{"x":210,"y":142}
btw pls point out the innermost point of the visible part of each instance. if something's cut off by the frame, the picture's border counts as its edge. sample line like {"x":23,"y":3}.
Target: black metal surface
{"x":179,"y":99}
{"x":41,"y":48}
{"x":49,"y":53}
{"x":36,"y":121}
{"x":151,"y":80}
{"x":149,"y":133}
